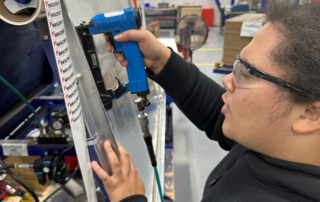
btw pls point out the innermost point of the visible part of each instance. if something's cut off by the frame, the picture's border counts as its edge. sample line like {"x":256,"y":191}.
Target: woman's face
{"x":259,"y":118}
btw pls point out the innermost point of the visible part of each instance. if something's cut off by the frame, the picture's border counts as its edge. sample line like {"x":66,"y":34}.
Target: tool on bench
{"x":10,"y":189}
{"x":111,"y":24}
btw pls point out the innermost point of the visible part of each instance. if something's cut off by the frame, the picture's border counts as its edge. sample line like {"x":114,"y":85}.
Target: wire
{"x":35,"y":122}
{"x":26,"y":187}
{"x":71,"y":176}
{"x":158,"y":182}
{"x":22,"y":98}
{"x":56,"y":163}
{"x":36,"y":100}
{"x":6,"y":167}
{"x":17,"y":165}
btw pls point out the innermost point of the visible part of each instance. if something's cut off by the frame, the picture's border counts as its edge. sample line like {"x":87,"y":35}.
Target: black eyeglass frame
{"x":258,"y":73}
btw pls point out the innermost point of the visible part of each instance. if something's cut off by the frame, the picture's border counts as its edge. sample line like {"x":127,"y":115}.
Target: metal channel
{"x":94,"y":116}
{"x":121,"y":122}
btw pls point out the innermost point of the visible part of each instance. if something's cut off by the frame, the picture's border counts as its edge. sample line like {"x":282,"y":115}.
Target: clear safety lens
{"x":242,"y":77}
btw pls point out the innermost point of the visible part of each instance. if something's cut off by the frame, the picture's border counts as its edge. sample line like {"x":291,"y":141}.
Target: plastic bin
{"x":208,"y":16}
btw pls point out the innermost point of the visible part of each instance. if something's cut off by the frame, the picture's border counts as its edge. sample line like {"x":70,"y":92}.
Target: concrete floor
{"x":194,"y":154}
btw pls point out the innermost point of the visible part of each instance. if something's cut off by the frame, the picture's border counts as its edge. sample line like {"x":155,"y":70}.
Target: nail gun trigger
{"x":111,"y":41}
{"x":120,"y":90}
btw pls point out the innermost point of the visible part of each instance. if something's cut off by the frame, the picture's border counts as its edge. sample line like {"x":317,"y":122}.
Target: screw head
{"x":46,"y":170}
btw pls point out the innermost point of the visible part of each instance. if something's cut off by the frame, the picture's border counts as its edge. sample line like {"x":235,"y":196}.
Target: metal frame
{"x":34,"y":149}
{"x":219,"y":4}
{"x":10,"y":120}
{"x":121,"y":122}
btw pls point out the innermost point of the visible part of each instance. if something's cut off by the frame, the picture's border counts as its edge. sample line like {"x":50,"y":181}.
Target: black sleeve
{"x":135,"y":198}
{"x":196,"y":95}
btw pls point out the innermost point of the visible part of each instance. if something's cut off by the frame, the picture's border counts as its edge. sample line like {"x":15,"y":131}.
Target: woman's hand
{"x":125,"y":180}
{"x":155,"y":54}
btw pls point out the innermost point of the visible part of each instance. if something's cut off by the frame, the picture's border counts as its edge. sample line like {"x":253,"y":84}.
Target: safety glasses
{"x":247,"y":76}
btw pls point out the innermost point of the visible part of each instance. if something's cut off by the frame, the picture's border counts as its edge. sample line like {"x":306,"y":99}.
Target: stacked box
{"x":233,"y":42}
{"x":190,"y":9}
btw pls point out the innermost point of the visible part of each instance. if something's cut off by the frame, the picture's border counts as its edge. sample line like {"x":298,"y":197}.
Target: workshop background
{"x":204,"y":3}
{"x":48,"y":63}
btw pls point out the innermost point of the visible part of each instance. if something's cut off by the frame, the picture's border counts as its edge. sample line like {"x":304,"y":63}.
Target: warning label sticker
{"x":54,"y":13}
{"x":113,"y":13}
{"x":76,"y":118}
{"x":60,"y":52}
{"x":52,"y":4}
{"x":66,"y":79}
{"x":15,"y":149}
{"x":75,"y":110}
{"x":57,"y":33}
{"x":59,"y":42}
{"x":69,"y":96}
{"x":54,"y":24}
{"x":69,"y":87}
{"x":73,"y":102}
{"x":64,"y":60}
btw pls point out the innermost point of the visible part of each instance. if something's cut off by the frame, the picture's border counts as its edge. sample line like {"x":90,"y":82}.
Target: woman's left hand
{"x":125,"y":180}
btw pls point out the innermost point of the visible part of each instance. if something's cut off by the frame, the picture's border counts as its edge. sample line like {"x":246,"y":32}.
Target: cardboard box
{"x":247,"y":17}
{"x":233,"y":52}
{"x":27,"y":175}
{"x":187,"y":11}
{"x":190,"y":9}
{"x":179,"y":7}
{"x":154,"y":28}
{"x":233,"y":42}
{"x":235,"y":38}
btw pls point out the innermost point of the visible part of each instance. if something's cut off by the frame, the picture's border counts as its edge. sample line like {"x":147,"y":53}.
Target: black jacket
{"x":243,"y":175}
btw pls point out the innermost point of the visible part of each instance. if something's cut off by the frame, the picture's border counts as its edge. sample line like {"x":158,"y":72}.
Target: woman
{"x":268,"y":118}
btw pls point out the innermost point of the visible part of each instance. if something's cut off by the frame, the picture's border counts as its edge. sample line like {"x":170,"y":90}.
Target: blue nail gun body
{"x":114,"y":23}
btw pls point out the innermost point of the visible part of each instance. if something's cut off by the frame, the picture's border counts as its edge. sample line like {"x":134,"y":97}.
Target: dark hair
{"x":298,"y":51}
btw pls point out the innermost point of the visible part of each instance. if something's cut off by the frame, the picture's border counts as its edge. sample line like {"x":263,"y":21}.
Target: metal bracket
{"x":93,"y":140}
{"x":78,"y":78}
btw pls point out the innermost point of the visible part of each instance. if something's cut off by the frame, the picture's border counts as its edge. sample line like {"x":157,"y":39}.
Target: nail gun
{"x":113,"y":23}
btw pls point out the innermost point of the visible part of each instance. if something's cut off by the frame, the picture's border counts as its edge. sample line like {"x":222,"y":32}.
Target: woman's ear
{"x":309,"y":121}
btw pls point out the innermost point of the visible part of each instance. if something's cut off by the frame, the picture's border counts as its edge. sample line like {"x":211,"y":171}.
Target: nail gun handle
{"x":137,"y":76}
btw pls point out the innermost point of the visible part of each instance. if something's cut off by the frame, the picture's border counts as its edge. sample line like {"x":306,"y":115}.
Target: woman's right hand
{"x":155,"y":54}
